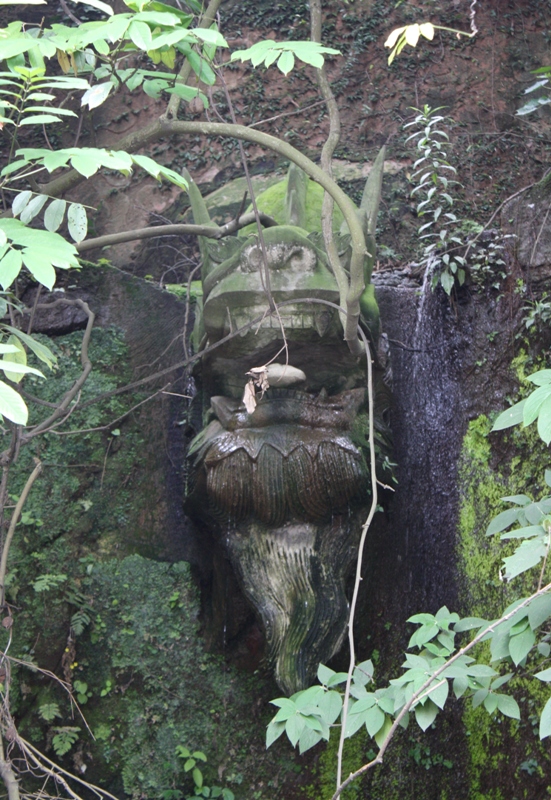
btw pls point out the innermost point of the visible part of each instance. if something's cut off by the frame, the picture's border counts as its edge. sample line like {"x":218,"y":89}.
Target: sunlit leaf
{"x":53,"y":216}
{"x":77,"y":222}
{"x":545,"y":720}
{"x":12,"y":405}
{"x":96,"y":95}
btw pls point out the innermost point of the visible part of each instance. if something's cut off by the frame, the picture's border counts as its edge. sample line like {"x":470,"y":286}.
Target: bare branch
{"x":175,"y":230}
{"x":13,"y":522}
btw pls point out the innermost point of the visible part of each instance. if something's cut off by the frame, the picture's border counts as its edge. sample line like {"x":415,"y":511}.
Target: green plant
{"x":439,"y":665}
{"x":486,"y":258}
{"x":64,"y":739}
{"x":191,"y":760}
{"x":543,"y":98}
{"x":433,"y":176}
{"x":538,"y":313}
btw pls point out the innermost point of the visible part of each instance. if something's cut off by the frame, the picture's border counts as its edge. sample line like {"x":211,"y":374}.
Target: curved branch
{"x":166,"y":127}
{"x":13,"y":522}
{"x":326,"y":160}
{"x":175,"y":230}
{"x":86,"y":368}
{"x":183,"y":76}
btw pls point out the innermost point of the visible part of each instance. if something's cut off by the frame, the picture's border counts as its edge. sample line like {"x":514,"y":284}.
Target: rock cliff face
{"x":451,"y":364}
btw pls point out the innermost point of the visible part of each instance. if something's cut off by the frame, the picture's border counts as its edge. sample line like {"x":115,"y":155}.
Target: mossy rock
{"x":272,"y":202}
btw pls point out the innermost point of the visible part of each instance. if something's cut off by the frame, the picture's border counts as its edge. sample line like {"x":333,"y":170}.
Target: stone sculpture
{"x":284,"y":482}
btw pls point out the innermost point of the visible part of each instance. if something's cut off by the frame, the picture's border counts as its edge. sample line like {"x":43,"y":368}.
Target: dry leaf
{"x":63,"y":60}
{"x":249,"y":397}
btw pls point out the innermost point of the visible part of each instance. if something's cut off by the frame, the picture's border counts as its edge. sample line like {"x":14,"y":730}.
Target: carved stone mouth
{"x":293,"y":318}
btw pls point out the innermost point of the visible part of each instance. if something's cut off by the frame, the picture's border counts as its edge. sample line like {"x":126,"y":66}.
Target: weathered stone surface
{"x":528,"y":217}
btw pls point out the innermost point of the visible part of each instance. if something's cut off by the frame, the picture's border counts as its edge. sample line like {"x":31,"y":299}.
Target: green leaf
{"x":96,"y":95}
{"x":64,"y":740}
{"x":15,"y":370}
{"x":539,"y":610}
{"x":330,"y":706}
{"x":374,"y":720}
{"x":518,"y":499}
{"x":286,"y":62}
{"x":521,"y":644}
{"x":49,"y":711}
{"x":439,"y":694}
{"x":140,"y":33}
{"x":99,"y":4}
{"x":545,"y":720}
{"x":294,"y":727}
{"x":19,"y":357}
{"x":39,"y":119}
{"x":273,"y":732}
{"x":534,"y":402}
{"x":425,"y":714}
{"x":544,"y":675}
{"x":382,"y":734}
{"x":39,"y":266}
{"x":12,"y":405}
{"x":544,"y":421}
{"x":490,"y":702}
{"x":541,"y":378}
{"x":447,"y":282}
{"x":210,"y":35}
{"x":502,"y":521}
{"x":324,"y":674}
{"x":20,"y":201}
{"x":460,"y":686}
{"x":85,"y":163}
{"x":308,"y":739}
{"x":77,"y":222}
{"x":10,"y":267}
{"x":33,"y":208}
{"x":508,"y":706}
{"x":513,"y":416}
{"x":53,"y":216}
{"x":197,"y":777}
{"x":40,"y":350}
{"x":530,"y":553}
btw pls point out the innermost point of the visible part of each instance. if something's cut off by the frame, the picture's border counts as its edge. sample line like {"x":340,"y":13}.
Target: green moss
{"x":497,"y":745}
{"x":354,"y":755}
{"x":272,"y":202}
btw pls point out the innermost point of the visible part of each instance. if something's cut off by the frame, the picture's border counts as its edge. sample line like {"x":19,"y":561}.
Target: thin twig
{"x":177,"y":229}
{"x":110,"y":424}
{"x":365,"y":529}
{"x":415,"y":698}
{"x":11,"y":530}
{"x":86,"y":369}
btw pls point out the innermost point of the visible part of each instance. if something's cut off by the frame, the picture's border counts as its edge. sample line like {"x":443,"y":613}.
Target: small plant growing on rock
{"x":434,"y":176}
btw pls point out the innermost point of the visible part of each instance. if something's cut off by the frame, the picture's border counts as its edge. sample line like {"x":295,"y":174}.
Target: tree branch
{"x":422,"y":689}
{"x":11,"y":530}
{"x":86,"y":369}
{"x":165,"y":127}
{"x":175,"y":230}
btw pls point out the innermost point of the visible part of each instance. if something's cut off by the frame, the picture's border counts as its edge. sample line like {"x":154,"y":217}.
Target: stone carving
{"x":284,"y":485}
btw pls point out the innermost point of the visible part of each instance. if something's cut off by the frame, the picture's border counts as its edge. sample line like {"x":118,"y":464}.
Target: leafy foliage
{"x":64,"y":739}
{"x":439,"y":665}
{"x":541,"y":99}
{"x":268,"y":52}
{"x":434,"y":176}
{"x":536,"y":406}
{"x":409,"y":34}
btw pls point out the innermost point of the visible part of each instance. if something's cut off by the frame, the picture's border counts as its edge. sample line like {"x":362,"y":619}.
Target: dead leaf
{"x":7,"y":622}
{"x":249,"y":397}
{"x":63,"y":60}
